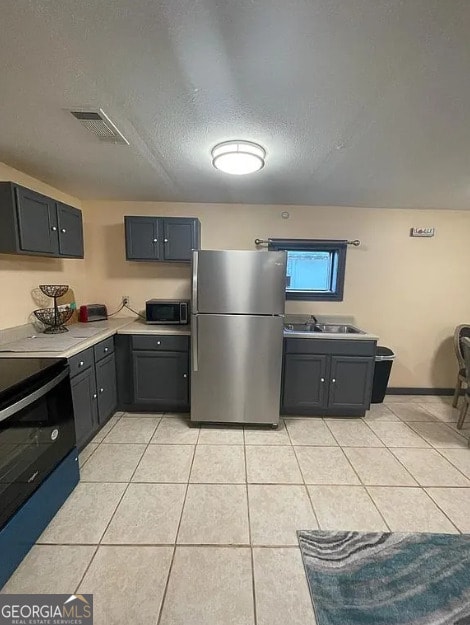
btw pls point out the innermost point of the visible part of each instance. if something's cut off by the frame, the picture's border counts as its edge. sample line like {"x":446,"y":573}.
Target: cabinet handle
{"x":322,"y":379}
{"x":81,"y":363}
{"x":185,"y":375}
{"x":95,"y":395}
{"x":63,"y":230}
{"x":333,"y":380}
{"x":54,"y":228}
{"x":166,"y":240}
{"x":159,"y":342}
{"x":101,"y":390}
{"x":106,"y":349}
{"x":155,"y":240}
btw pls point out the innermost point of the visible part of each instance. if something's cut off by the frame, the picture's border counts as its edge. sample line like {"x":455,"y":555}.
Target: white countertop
{"x":76,"y":340}
{"x":138,"y":326}
{"x":103,"y":330}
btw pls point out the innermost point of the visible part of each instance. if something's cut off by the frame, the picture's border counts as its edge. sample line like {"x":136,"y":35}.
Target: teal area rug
{"x":360,"y":578}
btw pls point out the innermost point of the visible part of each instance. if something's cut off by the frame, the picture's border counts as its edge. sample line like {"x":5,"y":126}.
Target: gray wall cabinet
{"x":34,"y":224}
{"x":153,"y":372}
{"x":327,"y":377}
{"x":167,"y":239}
{"x":69,"y":222}
{"x":94,"y":394}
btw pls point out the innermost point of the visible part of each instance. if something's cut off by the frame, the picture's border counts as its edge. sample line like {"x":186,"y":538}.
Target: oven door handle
{"x":6,"y":413}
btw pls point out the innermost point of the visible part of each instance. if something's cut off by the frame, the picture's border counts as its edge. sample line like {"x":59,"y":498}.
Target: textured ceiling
{"x":357,"y":102}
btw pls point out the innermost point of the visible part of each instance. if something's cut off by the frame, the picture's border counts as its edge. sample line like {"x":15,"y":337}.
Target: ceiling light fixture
{"x":238,"y":157}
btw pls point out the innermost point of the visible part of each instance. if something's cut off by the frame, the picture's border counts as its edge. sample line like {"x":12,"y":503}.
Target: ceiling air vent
{"x":100,"y":125}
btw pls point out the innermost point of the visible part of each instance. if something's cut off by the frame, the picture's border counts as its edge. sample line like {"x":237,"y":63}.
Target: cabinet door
{"x":142,"y":238}
{"x":180,"y":237}
{"x":304,"y":382}
{"x":37,"y":222}
{"x":106,"y":384}
{"x":69,"y":221}
{"x":160,"y":379}
{"x":351,"y":382}
{"x":84,"y":405}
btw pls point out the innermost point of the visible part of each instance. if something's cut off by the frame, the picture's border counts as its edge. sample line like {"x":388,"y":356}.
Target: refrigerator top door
{"x":239,"y":282}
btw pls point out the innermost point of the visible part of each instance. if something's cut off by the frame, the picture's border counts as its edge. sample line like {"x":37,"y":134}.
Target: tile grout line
{"x":455,"y":467}
{"x":362,"y":484}
{"x":421,"y":487}
{"x":439,"y":508}
{"x":250,"y":538}
{"x":303,"y":478}
{"x":170,"y":568}
{"x":442,"y":456}
{"x":405,"y":424}
{"x":99,"y":544}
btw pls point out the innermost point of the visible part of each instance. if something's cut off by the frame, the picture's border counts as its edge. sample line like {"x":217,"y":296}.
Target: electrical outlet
{"x":125,"y":300}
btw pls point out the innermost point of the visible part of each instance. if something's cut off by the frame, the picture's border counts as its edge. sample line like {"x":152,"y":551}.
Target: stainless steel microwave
{"x":167,"y":311}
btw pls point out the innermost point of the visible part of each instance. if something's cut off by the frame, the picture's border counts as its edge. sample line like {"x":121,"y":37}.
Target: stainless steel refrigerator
{"x":238,"y":301}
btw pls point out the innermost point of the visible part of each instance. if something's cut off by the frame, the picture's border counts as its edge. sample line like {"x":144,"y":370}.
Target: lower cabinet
{"x":327,"y":383}
{"x":153,"y":372}
{"x":94,"y":395}
{"x":106,"y":386}
{"x":161,"y":379}
{"x":85,"y":407}
{"x":304,"y":377}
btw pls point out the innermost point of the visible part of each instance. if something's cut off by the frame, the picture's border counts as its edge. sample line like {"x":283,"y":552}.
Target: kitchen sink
{"x":325,"y":328}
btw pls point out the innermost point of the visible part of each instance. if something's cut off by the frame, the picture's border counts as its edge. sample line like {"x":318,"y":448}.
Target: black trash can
{"x":383,"y":365}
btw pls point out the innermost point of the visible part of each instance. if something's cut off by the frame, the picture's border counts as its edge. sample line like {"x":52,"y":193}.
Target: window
{"x":315,"y":268}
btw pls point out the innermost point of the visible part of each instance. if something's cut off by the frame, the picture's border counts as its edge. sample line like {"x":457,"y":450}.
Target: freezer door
{"x":239,"y":282}
{"x":236,"y":368}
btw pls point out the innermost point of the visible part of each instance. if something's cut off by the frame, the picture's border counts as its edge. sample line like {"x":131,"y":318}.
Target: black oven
{"x":167,"y":311}
{"x":36,"y":426}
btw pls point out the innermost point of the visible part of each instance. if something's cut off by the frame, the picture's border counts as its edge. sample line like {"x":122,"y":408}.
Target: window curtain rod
{"x":259,"y":242}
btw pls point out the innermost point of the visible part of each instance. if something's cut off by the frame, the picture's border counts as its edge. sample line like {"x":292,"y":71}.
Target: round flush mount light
{"x":238,"y":157}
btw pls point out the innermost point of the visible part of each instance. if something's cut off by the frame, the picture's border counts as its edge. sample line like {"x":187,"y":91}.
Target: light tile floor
{"x":175,"y":525}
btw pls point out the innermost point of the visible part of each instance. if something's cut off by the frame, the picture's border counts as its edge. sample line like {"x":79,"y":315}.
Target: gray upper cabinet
{"x":34,"y":224}
{"x":37,"y":222}
{"x":167,"y":239}
{"x":69,"y":223}
{"x":142,"y":238}
{"x":180,"y":237}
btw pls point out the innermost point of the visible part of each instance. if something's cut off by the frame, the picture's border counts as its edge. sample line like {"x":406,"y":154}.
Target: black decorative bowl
{"x":54,"y":290}
{"x":54,"y":319}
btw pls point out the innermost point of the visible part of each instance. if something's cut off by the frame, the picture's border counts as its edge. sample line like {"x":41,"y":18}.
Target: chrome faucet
{"x":311,"y":322}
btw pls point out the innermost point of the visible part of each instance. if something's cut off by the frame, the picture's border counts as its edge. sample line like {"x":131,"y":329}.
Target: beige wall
{"x":409,"y":291}
{"x":19,"y":275}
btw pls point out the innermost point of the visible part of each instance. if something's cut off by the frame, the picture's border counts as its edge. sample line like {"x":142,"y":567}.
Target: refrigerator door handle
{"x":194,"y":340}
{"x":195,"y":270}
